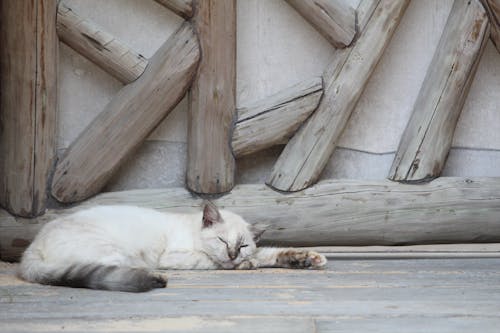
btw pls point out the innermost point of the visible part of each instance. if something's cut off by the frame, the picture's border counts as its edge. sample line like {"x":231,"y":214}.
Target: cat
{"x":118,"y":248}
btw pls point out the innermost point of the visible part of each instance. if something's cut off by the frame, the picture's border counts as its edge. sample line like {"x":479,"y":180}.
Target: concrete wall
{"x":277,"y":48}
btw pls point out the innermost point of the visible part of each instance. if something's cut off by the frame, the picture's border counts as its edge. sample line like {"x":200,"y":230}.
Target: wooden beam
{"x":334,"y":212}
{"x":493,"y":9}
{"x":128,"y":119}
{"x":334,"y":19}
{"x":276,"y":118}
{"x":306,"y":154}
{"x":28,"y":103}
{"x":183,"y":8}
{"x":212,"y":99}
{"x":426,"y":141}
{"x":100,"y":47}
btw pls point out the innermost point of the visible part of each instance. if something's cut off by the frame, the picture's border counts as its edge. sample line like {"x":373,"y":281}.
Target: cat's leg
{"x":287,"y":258}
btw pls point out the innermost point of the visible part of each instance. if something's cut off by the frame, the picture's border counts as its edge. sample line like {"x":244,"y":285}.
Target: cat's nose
{"x":232,"y":254}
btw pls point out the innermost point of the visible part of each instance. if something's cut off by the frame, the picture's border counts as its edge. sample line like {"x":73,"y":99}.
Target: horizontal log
{"x":100,"y":47}
{"x":307,"y":153}
{"x":275,"y":119}
{"x":427,"y":139}
{"x":334,"y":212}
{"x":128,"y":119}
{"x":334,"y":19}
{"x":183,"y":8}
{"x":493,"y":9}
{"x":28,"y":103}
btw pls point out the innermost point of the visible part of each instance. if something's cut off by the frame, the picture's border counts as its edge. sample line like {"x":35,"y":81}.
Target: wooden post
{"x":28,"y":102}
{"x":334,"y":19}
{"x":305,"y":156}
{"x":183,"y":8}
{"x":333,"y":212}
{"x":100,"y":47}
{"x":427,"y":138}
{"x":212,"y":99}
{"x":275,"y":119}
{"x":493,"y":9}
{"x":128,"y":119}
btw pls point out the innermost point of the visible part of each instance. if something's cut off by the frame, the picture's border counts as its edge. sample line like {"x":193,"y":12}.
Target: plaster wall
{"x":277,"y":48}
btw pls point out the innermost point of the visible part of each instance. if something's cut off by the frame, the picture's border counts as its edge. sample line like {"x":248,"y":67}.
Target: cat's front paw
{"x":301,"y":259}
{"x":157,"y":280}
{"x":246,"y":264}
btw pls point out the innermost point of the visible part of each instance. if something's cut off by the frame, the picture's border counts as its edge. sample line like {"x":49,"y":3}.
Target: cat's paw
{"x":246,"y":264}
{"x":301,"y":259}
{"x":158,"y":280}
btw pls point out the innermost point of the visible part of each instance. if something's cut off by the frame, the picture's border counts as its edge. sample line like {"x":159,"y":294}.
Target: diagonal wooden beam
{"x":333,"y":212}
{"x":275,"y":119}
{"x":334,"y":19}
{"x":212,"y":99}
{"x":28,"y":103}
{"x":493,"y":9}
{"x":183,"y":8}
{"x":128,"y":119}
{"x":100,"y":47}
{"x":305,"y":156}
{"x":427,"y":139}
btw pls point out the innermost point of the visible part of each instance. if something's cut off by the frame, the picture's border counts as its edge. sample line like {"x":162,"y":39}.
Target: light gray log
{"x":427,"y":139}
{"x":28,"y":103}
{"x":127,"y":119}
{"x":334,"y":19}
{"x":100,"y":47}
{"x":493,"y":9}
{"x":275,"y":119}
{"x":212,"y":99}
{"x":305,"y":156}
{"x":183,"y":8}
{"x":335,"y":212}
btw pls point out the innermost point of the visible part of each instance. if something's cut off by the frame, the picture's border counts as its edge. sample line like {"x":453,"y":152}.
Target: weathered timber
{"x":100,"y":47}
{"x":183,"y":8}
{"x":427,"y":139}
{"x":334,"y":19}
{"x":334,"y":212}
{"x":275,"y":119}
{"x":306,"y":154}
{"x":128,"y":119}
{"x":28,"y":103}
{"x":212,"y":99}
{"x":493,"y":9}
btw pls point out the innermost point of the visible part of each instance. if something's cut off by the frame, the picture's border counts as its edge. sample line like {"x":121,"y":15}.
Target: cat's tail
{"x":93,"y":276}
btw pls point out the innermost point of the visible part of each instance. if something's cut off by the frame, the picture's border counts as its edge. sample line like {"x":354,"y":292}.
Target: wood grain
{"x":99,"y":46}
{"x":212,"y":99}
{"x":28,"y":103}
{"x":427,"y":139}
{"x":335,"y":212}
{"x":307,"y":153}
{"x":334,"y":19}
{"x":183,"y":8}
{"x":275,"y":119}
{"x":493,"y":9}
{"x":128,"y":119}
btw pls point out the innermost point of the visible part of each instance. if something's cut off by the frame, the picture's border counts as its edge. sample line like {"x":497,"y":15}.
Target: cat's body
{"x":118,"y":247}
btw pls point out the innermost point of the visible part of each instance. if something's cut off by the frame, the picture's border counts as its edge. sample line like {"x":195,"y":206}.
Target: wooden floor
{"x":351,"y":295}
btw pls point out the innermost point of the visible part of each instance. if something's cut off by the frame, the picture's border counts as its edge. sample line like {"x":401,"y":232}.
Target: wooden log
{"x":427,"y":139}
{"x":183,"y":8}
{"x":306,"y":154}
{"x":276,"y":118}
{"x":333,"y":212}
{"x":28,"y":103}
{"x":334,"y":19}
{"x":493,"y":9}
{"x":128,"y":119}
{"x":100,"y":47}
{"x":212,"y":99}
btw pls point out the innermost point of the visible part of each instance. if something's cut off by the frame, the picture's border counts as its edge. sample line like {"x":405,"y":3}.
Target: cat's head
{"x":226,"y":238}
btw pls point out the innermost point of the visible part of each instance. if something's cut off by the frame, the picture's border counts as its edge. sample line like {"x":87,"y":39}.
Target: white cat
{"x":118,"y":247}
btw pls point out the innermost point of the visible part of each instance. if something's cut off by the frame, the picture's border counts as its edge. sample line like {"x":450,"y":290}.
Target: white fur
{"x":135,"y":237}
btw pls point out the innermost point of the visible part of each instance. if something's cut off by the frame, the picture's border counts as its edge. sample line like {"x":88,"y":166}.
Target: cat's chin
{"x":227,"y":265}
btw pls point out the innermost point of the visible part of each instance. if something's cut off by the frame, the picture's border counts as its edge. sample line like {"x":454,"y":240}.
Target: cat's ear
{"x":257,"y":230}
{"x":211,"y":215}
